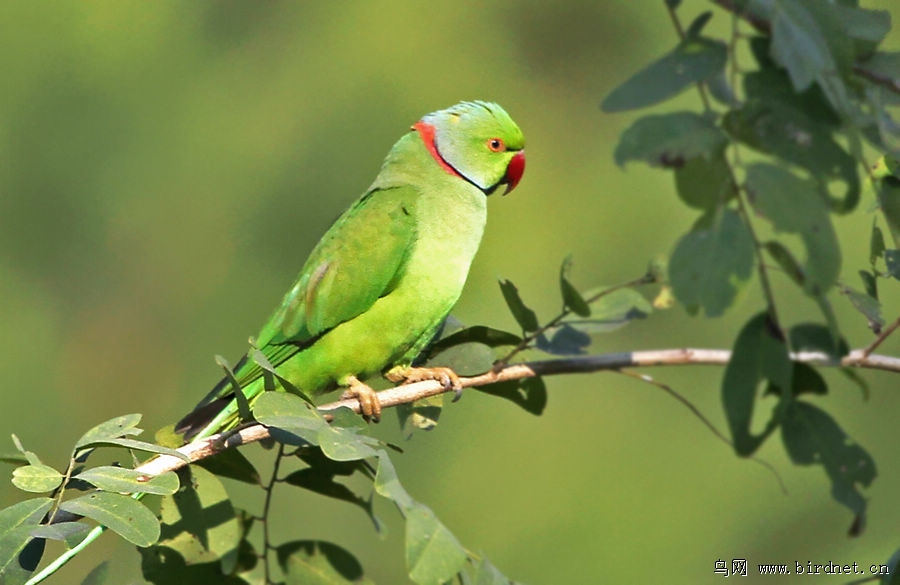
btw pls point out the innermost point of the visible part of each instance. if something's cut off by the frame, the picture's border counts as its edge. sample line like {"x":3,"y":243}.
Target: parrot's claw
{"x":447,"y":377}
{"x":369,"y":404}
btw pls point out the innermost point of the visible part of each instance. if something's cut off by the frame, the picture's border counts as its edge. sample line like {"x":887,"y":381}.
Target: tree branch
{"x":406,"y":394}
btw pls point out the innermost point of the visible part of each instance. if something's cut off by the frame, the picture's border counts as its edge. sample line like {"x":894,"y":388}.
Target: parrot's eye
{"x":496,"y":145}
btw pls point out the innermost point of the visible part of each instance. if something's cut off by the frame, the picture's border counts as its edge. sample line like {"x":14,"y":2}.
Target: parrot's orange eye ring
{"x":496,"y":145}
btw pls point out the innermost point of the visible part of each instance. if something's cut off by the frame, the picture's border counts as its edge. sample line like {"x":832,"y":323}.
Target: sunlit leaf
{"x":125,"y":516}
{"x":887,"y":184}
{"x":36,"y":478}
{"x":710,"y":263}
{"x":118,"y":479}
{"x":114,"y":428}
{"x":289,"y":413}
{"x":433,"y":554}
{"x":199,"y":522}
{"x":695,"y":59}
{"x":388,"y":485}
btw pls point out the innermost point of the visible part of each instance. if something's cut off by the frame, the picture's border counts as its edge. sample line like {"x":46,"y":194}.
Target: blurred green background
{"x":166,"y":167}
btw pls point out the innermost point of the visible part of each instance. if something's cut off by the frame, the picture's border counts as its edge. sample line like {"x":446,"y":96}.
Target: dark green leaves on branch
{"x":794,"y":206}
{"x":811,"y":437}
{"x":759,"y":355}
{"x":669,"y":140}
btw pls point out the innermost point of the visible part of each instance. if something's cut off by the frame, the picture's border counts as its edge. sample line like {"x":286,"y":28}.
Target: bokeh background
{"x":166,"y":167}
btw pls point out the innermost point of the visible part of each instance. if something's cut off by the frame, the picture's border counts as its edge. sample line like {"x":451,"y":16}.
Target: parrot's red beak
{"x":514,"y":171}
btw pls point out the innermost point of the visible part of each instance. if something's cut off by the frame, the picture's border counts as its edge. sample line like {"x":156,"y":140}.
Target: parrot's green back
{"x":380,"y":282}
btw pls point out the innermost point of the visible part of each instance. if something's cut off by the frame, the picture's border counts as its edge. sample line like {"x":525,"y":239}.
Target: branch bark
{"x":406,"y":394}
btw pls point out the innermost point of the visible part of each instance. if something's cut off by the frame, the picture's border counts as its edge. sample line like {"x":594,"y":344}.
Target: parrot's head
{"x":478,"y":142}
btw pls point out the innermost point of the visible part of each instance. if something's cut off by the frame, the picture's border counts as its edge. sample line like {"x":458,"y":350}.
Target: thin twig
{"x":706,"y":422}
{"x":409,"y":393}
{"x":885,"y":333}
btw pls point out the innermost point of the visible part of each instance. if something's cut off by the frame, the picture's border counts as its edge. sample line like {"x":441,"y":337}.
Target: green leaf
{"x":612,"y":310}
{"x":433,"y":554}
{"x":36,"y":478}
{"x":163,"y":566}
{"x":346,"y":444}
{"x":789,"y":134}
{"x":529,"y":393}
{"x":13,"y":459}
{"x":232,"y":464}
{"x":566,"y":340}
{"x":806,"y":380}
{"x":694,"y":60}
{"x":870,"y":283}
{"x":811,"y":436}
{"x":876,"y":244}
{"x":869,"y":307}
{"x":892,"y":262}
{"x":887,"y":185}
{"x":477,"y":334}
{"x":670,"y":140}
{"x":485,"y":573}
{"x":243,"y":405}
{"x":20,"y":552}
{"x":98,"y":574}
{"x":786,"y":261}
{"x":290,"y":414}
{"x":125,"y":516}
{"x":199,"y":522}
{"x":808,"y":41}
{"x":388,"y":485}
{"x":137,"y":446}
{"x":118,"y":479}
{"x":710,"y":263}
{"x":525,"y":317}
{"x":72,"y":533}
{"x":114,"y":428}
{"x":815,"y":337}
{"x":705,"y":182}
{"x":423,"y":414}
{"x":759,"y":355}
{"x":794,"y":205}
{"x":315,"y":562}
{"x":30,"y":457}
{"x":572,"y":299}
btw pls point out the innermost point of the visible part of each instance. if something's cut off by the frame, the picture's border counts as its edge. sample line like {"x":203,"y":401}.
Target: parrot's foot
{"x":410,"y":375}
{"x":369,"y":405}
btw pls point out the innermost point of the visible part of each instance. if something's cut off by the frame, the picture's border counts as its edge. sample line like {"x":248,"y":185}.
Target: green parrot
{"x":381,"y":281}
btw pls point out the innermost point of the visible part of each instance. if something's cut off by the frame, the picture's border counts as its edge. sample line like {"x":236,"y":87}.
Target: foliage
{"x":778,"y":149}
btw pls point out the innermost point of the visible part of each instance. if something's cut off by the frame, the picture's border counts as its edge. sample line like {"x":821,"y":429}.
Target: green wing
{"x":359,"y":259}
